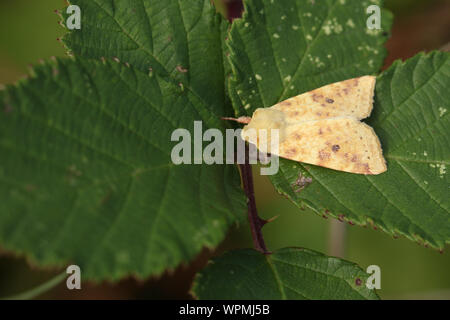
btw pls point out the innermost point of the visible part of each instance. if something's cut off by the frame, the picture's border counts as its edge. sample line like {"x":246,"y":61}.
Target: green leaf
{"x":411,"y":119}
{"x":87,"y":175}
{"x":180,"y":38}
{"x":288,"y":273}
{"x":286,"y":47}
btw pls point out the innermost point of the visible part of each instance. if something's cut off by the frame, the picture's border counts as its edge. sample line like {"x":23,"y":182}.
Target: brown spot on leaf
{"x":354,"y":158}
{"x":301,"y":182}
{"x":358,"y":282}
{"x":335,"y":148}
{"x":106,"y":198}
{"x":30,"y":188}
{"x":7,"y":109}
{"x":328,"y":100}
{"x":181,"y":69}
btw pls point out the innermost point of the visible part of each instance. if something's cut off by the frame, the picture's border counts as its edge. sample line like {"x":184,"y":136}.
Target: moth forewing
{"x":323,"y":127}
{"x":351,"y":98}
{"x":343,"y":144}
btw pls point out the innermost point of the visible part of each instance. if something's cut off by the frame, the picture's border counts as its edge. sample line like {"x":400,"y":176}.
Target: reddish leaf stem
{"x":256,"y":223}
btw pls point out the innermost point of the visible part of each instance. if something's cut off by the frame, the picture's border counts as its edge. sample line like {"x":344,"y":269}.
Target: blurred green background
{"x":28,"y":33}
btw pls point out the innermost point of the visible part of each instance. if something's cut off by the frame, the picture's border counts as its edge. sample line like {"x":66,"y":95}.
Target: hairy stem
{"x":256,"y":223}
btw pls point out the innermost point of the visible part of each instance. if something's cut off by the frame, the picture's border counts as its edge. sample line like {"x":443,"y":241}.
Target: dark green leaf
{"x":180,"y":38}
{"x":411,"y":199}
{"x":286,"y":274}
{"x":283,"y":48}
{"x":86,"y":174}
{"x":286,"y":47}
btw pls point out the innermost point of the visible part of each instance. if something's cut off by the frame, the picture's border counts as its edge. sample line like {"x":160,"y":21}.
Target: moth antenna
{"x":244,"y":120}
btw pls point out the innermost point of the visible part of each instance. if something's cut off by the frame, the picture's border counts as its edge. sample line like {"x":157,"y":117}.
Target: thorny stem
{"x":256,"y":223}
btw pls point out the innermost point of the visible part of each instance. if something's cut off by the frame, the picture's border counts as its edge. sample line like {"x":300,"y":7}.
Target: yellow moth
{"x":322,"y":127}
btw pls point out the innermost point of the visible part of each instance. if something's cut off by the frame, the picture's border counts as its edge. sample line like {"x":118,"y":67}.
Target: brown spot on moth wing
{"x":349,"y":98}
{"x":345,"y":144}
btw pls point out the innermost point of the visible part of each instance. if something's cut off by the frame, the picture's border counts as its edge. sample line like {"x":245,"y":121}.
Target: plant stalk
{"x":256,"y":223}
{"x":37,"y":291}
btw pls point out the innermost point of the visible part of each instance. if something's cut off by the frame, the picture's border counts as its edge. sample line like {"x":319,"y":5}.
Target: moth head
{"x":262,"y":127}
